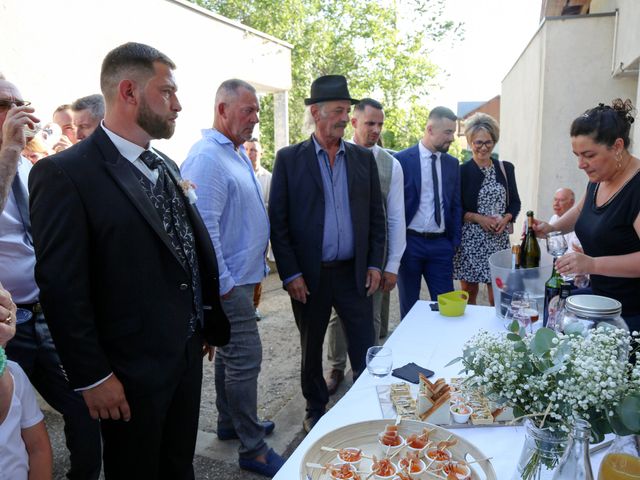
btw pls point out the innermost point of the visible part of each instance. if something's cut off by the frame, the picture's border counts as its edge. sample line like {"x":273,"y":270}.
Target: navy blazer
{"x":472,"y":178}
{"x":410,"y":161}
{"x":296,"y":212}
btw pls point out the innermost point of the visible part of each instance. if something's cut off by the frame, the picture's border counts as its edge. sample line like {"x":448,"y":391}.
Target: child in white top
{"x":25,"y":451}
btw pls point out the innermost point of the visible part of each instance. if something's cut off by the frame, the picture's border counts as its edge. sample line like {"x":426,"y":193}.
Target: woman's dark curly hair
{"x":606,"y":123}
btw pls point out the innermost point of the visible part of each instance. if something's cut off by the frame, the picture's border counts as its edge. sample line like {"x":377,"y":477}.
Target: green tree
{"x":382,"y":47}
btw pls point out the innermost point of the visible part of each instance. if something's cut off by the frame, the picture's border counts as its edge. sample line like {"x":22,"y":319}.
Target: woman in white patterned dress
{"x":490,"y":202}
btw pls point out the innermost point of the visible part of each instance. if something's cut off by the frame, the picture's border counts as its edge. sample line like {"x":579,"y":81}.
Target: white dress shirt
{"x":131,"y":152}
{"x":396,"y":226}
{"x":264,"y":179}
{"x":424,"y":219}
{"x":17,"y":256}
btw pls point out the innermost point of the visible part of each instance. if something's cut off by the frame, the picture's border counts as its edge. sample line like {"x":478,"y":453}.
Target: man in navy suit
{"x":328,"y":234}
{"x":433,"y":210}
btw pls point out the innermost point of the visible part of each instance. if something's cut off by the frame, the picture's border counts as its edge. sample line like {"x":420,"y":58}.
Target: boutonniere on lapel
{"x":189,"y":190}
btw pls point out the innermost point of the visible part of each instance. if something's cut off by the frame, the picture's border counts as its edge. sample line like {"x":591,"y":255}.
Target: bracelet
{"x":3,"y":360}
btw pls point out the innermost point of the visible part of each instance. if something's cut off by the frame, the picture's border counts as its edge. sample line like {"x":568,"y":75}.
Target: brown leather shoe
{"x":334,"y":380}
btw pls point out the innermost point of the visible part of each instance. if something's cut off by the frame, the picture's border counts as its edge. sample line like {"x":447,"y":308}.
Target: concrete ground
{"x":279,"y":395}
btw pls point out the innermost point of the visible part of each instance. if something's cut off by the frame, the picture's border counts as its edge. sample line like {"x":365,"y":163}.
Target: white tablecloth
{"x":430,"y":340}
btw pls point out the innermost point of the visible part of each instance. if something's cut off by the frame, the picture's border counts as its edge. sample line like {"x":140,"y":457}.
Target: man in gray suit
{"x":327,"y":234}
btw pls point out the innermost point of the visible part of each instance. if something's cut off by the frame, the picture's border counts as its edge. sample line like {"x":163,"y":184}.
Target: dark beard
{"x":152,"y":123}
{"x":442,"y":148}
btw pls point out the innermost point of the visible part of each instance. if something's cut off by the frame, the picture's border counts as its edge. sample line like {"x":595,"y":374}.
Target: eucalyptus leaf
{"x":514,"y":326}
{"x":629,"y":412}
{"x":562,"y":352}
{"x":542,"y":341}
{"x":556,"y":367}
{"x":599,"y":428}
{"x":514,"y":337}
{"x":617,"y":426}
{"x":454,"y":361}
{"x":518,"y":412}
{"x":520,"y":347}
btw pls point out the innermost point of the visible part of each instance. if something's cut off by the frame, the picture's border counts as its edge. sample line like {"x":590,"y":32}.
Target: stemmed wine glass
{"x":519,"y":301}
{"x":557,"y":247}
{"x":528,"y":315}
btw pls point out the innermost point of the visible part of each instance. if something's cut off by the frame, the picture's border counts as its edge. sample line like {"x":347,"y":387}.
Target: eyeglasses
{"x":480,"y":144}
{"x":6,"y":104}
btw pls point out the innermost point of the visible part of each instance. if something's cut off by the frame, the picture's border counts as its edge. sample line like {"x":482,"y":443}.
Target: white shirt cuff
{"x":94,"y":385}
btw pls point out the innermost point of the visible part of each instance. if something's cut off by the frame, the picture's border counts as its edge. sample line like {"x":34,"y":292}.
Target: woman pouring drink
{"x":607,"y":218}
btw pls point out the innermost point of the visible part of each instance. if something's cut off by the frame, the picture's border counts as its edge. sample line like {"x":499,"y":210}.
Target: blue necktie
{"x":22,"y":202}
{"x":436,"y":188}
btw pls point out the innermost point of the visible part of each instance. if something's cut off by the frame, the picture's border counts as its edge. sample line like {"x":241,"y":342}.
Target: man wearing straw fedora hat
{"x":327,"y":234}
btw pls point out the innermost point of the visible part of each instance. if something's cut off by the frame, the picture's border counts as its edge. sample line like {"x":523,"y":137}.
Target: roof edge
{"x":228,"y":21}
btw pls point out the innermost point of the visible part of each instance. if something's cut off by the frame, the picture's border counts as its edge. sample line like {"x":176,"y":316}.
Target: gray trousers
{"x":237,"y":366}
{"x":337,"y":341}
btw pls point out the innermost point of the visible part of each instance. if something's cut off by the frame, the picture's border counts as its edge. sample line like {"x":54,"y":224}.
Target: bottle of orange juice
{"x":621,"y":461}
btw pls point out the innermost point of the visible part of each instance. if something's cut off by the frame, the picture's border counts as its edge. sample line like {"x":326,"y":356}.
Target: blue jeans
{"x":33,"y":349}
{"x":237,"y":366}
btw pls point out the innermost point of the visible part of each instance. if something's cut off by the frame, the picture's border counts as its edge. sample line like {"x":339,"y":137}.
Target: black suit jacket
{"x":115,"y":295}
{"x":296,"y":212}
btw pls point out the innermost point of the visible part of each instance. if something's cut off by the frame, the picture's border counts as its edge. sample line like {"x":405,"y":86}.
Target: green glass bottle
{"x":530,"y":257}
{"x":551,"y":295}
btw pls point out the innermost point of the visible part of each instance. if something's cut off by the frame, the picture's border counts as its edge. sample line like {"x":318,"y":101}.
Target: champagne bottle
{"x":551,"y":295}
{"x":515,"y":257}
{"x":530,"y":254}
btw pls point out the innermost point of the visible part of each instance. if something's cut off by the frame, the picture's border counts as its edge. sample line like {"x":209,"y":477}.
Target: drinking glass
{"x":519,"y":299}
{"x":509,"y":317}
{"x":379,"y":361}
{"x":557,"y":247}
{"x":530,"y":314}
{"x":523,"y":318}
{"x":30,"y":132}
{"x":494,"y":212}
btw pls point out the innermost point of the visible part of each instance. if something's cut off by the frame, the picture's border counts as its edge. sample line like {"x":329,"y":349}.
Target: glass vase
{"x":541,"y":452}
{"x":622,"y":461}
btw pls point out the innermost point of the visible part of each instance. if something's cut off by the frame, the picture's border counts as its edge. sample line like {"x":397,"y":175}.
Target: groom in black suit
{"x":327,"y":235}
{"x":127,"y":273}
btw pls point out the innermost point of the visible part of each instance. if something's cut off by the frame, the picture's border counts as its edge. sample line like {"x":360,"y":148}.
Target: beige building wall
{"x":53,"y":52}
{"x":521,"y":122}
{"x":565,"y":70}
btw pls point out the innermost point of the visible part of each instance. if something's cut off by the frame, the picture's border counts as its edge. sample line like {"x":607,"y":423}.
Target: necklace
{"x":615,"y":194}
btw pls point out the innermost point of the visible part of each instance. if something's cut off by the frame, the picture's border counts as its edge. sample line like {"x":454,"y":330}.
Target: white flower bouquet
{"x":554,"y":379}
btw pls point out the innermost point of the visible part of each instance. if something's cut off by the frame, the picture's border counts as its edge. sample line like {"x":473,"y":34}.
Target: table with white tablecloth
{"x":430,"y":340}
